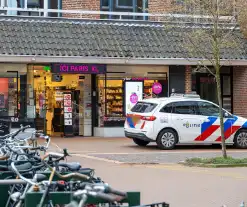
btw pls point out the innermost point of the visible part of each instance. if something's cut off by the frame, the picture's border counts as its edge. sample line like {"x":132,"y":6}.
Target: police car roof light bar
{"x":192,"y":94}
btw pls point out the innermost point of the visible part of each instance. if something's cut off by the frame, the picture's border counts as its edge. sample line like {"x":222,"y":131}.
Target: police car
{"x":182,"y":119}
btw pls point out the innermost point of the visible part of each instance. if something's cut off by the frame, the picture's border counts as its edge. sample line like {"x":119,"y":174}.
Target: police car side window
{"x":185,"y":107}
{"x":167,"y":108}
{"x":208,"y":109}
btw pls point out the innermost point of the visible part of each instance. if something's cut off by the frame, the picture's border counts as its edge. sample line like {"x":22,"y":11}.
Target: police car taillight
{"x":148,"y":118}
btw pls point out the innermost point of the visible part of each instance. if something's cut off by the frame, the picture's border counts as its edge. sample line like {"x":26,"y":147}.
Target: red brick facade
{"x":240,"y":91}
{"x":188,"y":79}
{"x":87,"y":5}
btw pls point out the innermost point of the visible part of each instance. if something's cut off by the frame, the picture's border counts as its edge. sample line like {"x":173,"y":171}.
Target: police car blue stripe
{"x":206,"y":125}
{"x":244,"y":125}
{"x":130,"y":122}
{"x":229,"y":122}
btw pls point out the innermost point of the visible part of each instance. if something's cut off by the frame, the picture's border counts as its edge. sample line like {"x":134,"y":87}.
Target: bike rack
{"x":60,"y":198}
{"x":32,"y":198}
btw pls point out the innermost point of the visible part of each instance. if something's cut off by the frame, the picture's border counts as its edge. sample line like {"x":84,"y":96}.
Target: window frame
{"x":115,"y":7}
{"x":124,"y":7}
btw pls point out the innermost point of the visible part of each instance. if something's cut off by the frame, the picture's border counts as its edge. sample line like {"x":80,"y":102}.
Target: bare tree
{"x":212,"y":29}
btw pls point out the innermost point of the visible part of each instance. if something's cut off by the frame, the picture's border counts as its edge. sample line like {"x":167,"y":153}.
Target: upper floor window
{"x":37,"y":4}
{"x":136,"y":6}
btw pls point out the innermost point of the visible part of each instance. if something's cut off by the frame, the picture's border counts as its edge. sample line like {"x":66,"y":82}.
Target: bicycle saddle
{"x":86,"y":171}
{"x":40,"y":177}
{"x":72,"y":166}
{"x":23,"y":167}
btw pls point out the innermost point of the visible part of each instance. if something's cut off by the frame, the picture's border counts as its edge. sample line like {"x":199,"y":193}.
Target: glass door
{"x":207,"y":88}
{"x":226,"y":92}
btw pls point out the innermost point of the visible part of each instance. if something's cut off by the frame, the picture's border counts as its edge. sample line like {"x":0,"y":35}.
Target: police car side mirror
{"x":225,"y":114}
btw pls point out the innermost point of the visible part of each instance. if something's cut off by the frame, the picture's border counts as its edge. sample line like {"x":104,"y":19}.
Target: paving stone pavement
{"x":161,"y":158}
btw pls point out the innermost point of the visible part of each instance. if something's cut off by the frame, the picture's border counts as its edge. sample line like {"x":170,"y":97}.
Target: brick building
{"x":94,"y":58}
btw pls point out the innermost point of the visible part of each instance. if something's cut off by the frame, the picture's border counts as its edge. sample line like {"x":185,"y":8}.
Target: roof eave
{"x":108,"y":60}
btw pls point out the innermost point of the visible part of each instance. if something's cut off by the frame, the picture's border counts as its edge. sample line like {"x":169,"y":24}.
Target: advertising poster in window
{"x":133,"y":94}
{"x":4,"y":91}
{"x":68,"y":123}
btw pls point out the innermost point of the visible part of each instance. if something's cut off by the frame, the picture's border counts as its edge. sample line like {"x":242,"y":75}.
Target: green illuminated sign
{"x":47,"y":68}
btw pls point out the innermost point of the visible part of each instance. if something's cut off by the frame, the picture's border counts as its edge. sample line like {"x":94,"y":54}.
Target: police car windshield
{"x":144,"y":107}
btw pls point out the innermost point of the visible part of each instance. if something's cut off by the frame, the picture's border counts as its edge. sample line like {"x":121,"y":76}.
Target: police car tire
{"x":160,"y":136}
{"x":236,"y":144}
{"x":140,"y":142}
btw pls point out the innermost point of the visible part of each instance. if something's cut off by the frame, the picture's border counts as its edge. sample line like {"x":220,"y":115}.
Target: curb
{"x":212,"y":165}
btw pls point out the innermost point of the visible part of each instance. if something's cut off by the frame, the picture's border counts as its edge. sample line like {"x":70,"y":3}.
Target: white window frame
{"x":124,"y":7}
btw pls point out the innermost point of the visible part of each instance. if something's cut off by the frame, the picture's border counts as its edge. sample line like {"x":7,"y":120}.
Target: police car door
{"x":186,"y":121}
{"x":210,"y":130}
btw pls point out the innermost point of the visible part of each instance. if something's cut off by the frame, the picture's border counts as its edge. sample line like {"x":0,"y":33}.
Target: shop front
{"x":60,"y":97}
{"x":120,"y":88}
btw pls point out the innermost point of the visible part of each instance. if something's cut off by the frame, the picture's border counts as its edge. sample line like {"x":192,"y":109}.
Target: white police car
{"x":182,"y":119}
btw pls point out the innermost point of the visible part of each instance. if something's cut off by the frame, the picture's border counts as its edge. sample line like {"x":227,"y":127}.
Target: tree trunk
{"x":218,"y":82}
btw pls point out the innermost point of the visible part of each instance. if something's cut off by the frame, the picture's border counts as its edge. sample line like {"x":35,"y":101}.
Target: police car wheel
{"x":167,"y":139}
{"x":140,"y":142}
{"x":240,"y":140}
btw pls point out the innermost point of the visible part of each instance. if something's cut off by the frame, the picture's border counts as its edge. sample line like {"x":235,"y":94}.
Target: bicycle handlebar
{"x":20,"y":176}
{"x":15,"y":133}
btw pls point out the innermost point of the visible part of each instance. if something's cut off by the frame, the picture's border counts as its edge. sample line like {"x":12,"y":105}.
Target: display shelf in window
{"x":12,"y":97}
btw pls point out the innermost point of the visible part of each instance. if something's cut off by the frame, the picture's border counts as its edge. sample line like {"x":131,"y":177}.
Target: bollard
{"x":242,"y":204}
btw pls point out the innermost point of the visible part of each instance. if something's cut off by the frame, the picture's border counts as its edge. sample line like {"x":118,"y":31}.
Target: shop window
{"x":9,"y":97}
{"x":110,"y":106}
{"x":139,"y":6}
{"x":115,"y":100}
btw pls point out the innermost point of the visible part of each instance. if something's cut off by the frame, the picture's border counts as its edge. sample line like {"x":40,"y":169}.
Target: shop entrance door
{"x":59,"y":125}
{"x":50,"y":103}
{"x":206,"y":87}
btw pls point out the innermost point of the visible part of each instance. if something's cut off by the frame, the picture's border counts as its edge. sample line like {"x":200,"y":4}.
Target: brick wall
{"x":188,"y":79}
{"x":159,"y":6}
{"x":240,"y":91}
{"x":162,"y":6}
{"x":92,"y":5}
